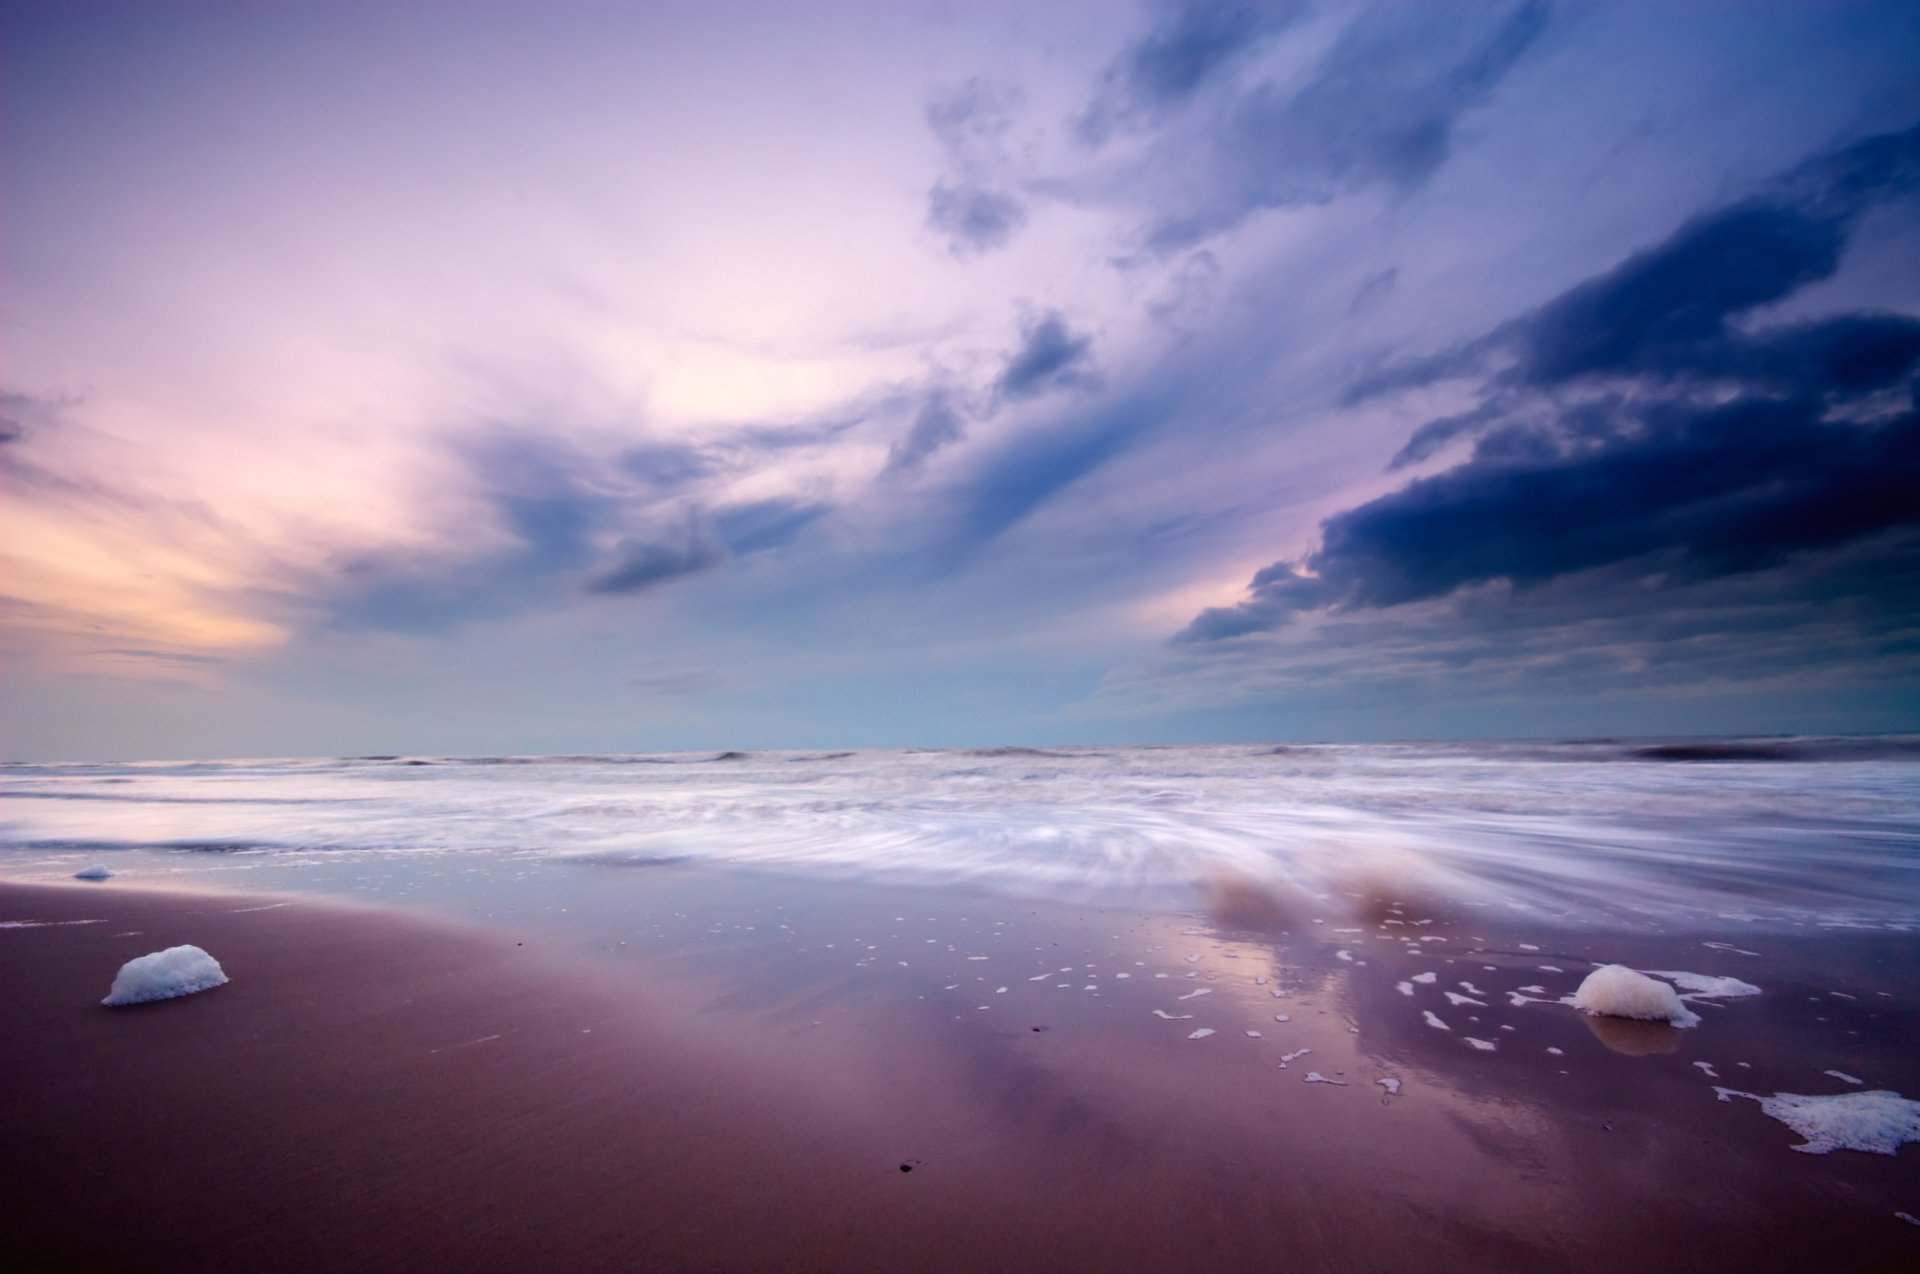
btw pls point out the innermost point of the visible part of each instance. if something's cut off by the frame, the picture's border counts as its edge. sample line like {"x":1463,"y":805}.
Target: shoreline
{"x":376,"y":1089}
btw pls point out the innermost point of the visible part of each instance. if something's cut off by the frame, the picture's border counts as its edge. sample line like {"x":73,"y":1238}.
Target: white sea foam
{"x":1391,"y":1085}
{"x":1614,"y":990}
{"x":1201,"y":1034}
{"x":1485,"y":1046}
{"x":165,"y":975}
{"x":1701,"y":986}
{"x":1878,"y":1122}
{"x":1434,"y":1021}
{"x":1315,"y":1077}
{"x":1425,"y":979}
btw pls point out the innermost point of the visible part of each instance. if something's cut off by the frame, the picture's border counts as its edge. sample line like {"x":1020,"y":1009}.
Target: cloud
{"x":667,"y":679}
{"x":668,"y":465}
{"x":973,"y":218}
{"x":557,"y":521}
{"x":1740,"y":652}
{"x":1036,"y":465}
{"x":1214,"y":131}
{"x":765,"y":524}
{"x":937,"y":424}
{"x":23,"y":415}
{"x":969,"y":206}
{"x":1050,"y":356}
{"x":1633,"y":425}
{"x":671,"y":551}
{"x":1189,"y":43}
{"x":1378,"y":109}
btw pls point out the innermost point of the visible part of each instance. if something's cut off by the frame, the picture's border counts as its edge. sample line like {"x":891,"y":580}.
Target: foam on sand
{"x":165,"y":975}
{"x":1614,"y":990}
{"x":1701,"y":986}
{"x":99,"y":871}
{"x":1879,"y":1122}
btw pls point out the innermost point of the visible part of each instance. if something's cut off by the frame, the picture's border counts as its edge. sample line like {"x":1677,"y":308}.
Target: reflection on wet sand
{"x":1632,"y":1037}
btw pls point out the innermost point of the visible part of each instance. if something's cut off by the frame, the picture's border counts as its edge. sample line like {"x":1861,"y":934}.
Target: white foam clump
{"x":165,"y":975}
{"x":1878,"y":1122}
{"x":99,"y":871}
{"x":1614,"y":990}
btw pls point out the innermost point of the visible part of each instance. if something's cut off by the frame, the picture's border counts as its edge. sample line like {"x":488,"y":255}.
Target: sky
{"x":565,"y":377}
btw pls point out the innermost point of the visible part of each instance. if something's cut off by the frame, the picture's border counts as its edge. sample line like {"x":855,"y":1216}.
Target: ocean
{"x":1776,"y":833}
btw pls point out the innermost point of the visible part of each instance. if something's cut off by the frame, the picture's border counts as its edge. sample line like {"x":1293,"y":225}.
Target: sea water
{"x":1794,"y":832}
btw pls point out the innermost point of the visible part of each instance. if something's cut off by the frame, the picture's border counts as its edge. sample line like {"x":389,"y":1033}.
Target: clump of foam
{"x":1878,"y":1122}
{"x":99,"y":871}
{"x":165,"y":975}
{"x":1614,"y":990}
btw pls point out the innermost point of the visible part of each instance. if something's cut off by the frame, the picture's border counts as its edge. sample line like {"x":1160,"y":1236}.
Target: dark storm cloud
{"x":1050,"y":355}
{"x":1188,"y":43}
{"x":1669,"y":312}
{"x":1633,"y":421}
{"x":1738,"y":646}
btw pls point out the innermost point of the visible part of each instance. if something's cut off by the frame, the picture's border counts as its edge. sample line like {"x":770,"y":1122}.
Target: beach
{"x":696,"y":1070}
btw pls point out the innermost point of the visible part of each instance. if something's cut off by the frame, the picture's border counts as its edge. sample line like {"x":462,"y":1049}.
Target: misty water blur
{"x":1789,"y":832}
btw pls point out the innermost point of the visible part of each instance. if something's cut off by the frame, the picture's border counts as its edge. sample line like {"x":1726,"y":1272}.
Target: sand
{"x":376,"y":1089}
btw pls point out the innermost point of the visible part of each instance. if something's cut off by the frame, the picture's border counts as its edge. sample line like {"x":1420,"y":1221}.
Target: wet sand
{"x":380,"y":1090}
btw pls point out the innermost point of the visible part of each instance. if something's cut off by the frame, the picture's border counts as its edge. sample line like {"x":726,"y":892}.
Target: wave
{"x":1587,"y":829}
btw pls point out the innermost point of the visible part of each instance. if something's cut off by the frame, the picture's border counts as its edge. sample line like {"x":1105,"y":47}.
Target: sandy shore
{"x":376,"y":1091}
